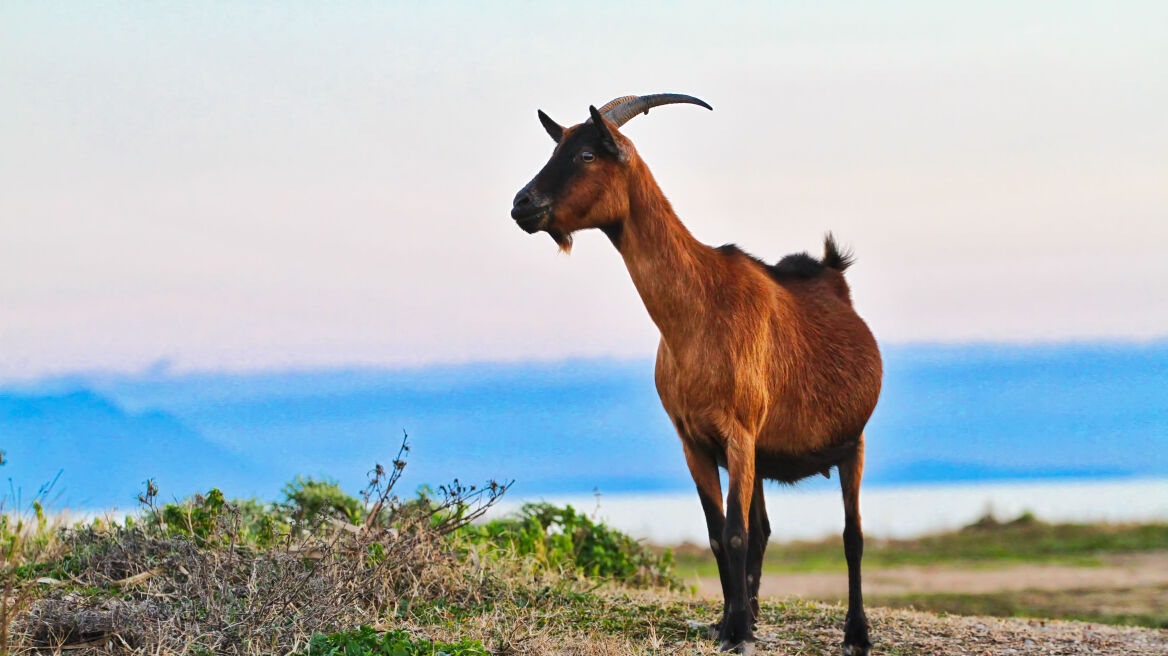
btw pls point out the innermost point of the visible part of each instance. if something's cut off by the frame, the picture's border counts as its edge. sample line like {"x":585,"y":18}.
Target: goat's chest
{"x":702,"y":389}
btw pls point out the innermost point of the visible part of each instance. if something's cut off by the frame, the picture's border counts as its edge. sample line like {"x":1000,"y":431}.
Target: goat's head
{"x":585,"y":183}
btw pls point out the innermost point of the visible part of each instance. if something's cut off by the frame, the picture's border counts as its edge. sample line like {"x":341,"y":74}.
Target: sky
{"x":231,"y":186}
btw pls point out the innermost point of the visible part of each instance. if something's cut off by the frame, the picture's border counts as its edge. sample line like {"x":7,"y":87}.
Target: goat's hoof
{"x":745,"y":647}
{"x":856,"y":645}
{"x":856,"y":642}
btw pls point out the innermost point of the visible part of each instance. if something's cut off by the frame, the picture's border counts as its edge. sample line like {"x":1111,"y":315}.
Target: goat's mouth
{"x":536,"y":221}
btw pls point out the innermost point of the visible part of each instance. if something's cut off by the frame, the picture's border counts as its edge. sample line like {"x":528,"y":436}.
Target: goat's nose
{"x":526,"y":204}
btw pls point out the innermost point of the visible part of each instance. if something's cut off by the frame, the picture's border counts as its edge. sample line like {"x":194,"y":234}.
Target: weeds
{"x":28,"y":538}
{"x":562,"y":538}
{"x":212,"y":576}
{"x":320,"y":573}
{"x":367,"y":642}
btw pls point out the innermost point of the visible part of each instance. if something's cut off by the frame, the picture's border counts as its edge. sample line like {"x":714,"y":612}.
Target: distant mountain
{"x":99,"y":455}
{"x":941,"y":471}
{"x":947,"y":413}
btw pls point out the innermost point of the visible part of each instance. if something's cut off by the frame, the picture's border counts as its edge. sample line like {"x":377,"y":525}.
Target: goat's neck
{"x":669,"y":267}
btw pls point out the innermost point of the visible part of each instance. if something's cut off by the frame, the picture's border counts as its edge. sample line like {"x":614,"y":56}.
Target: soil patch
{"x":1117,"y":572}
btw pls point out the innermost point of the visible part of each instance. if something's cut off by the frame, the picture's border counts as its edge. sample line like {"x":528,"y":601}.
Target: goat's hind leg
{"x":851,"y":470}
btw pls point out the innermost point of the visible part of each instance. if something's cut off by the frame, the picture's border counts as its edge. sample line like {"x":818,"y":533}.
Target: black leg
{"x":736,"y":633}
{"x":856,"y":641}
{"x":704,"y":470}
{"x":715,"y":524}
{"x":760,"y":532}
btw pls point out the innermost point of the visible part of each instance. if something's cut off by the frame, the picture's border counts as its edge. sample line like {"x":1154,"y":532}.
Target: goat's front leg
{"x":703,"y":467}
{"x":759,"y":532}
{"x":736,"y":633}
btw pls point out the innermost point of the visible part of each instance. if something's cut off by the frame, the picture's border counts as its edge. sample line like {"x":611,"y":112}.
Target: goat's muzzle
{"x":531,"y":211}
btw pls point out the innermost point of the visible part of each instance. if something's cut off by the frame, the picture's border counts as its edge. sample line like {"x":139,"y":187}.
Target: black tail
{"x":835,"y":258}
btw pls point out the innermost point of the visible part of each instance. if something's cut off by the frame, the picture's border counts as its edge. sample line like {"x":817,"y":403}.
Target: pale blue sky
{"x":300,"y":184}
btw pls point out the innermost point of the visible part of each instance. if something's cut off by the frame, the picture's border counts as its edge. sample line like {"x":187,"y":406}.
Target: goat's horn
{"x":613,"y":103}
{"x":623,"y":109}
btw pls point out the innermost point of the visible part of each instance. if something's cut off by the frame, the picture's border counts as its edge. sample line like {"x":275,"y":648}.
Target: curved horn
{"x":614,"y":102}
{"x":623,"y":109}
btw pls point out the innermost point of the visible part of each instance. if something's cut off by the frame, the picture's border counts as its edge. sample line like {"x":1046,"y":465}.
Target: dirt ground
{"x":907,"y":632}
{"x":1123,"y":571}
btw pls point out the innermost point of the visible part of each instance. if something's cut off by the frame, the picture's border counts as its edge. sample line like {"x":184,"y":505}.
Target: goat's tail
{"x":834,"y":257}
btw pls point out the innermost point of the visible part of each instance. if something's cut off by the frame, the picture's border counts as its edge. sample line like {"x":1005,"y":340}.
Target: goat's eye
{"x":587,"y":156}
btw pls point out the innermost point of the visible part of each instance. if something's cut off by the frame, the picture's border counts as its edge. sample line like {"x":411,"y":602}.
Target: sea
{"x":1069,"y":431}
{"x":901,"y":511}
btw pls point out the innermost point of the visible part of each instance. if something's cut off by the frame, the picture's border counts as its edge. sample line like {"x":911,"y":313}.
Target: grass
{"x":366,"y":641}
{"x":986,"y":543}
{"x":322,"y":573}
{"x":989,"y":543}
{"x":211,"y":575}
{"x":623,"y":623}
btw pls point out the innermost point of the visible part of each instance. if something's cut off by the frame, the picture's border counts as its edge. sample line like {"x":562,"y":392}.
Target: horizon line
{"x":163,"y":368}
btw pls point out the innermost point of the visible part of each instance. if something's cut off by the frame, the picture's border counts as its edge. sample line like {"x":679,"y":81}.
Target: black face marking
{"x":566,"y":163}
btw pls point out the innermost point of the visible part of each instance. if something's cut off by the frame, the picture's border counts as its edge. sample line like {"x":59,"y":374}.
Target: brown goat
{"x":765,"y":370}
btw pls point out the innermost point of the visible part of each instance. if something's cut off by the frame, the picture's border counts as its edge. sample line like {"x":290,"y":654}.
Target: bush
{"x":260,"y":523}
{"x":310,"y":501}
{"x":197,"y":517}
{"x":210,"y":576}
{"x":307,"y":503}
{"x":561,"y":537}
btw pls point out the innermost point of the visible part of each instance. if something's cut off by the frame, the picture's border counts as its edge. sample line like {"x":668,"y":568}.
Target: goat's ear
{"x":554,"y":130}
{"x":606,"y":139}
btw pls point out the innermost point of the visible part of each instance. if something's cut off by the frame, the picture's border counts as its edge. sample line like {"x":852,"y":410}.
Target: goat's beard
{"x":562,"y":239}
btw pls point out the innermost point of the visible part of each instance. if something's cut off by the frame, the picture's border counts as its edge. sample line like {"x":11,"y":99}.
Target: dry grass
{"x":130,"y":592}
{"x":205,"y":583}
{"x":133,"y":590}
{"x":204,"y":580}
{"x":27,"y":537}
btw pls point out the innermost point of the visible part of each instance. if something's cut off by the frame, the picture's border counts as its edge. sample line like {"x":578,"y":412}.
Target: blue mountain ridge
{"x":95,"y":454}
{"x":947,"y":414}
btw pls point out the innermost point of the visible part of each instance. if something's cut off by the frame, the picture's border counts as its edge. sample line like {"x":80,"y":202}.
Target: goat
{"x":765,"y":370}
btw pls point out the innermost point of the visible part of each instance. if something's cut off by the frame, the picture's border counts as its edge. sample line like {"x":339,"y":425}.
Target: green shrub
{"x":201,"y":517}
{"x":197,"y":517}
{"x":309,"y":501}
{"x":559,"y":537}
{"x":367,"y":642}
{"x":260,"y":523}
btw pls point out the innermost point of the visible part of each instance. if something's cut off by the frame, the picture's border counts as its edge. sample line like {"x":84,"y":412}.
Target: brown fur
{"x":771,"y":376}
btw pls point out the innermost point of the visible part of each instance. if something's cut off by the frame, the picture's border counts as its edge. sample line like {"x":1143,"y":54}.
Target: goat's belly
{"x":790,"y":468}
